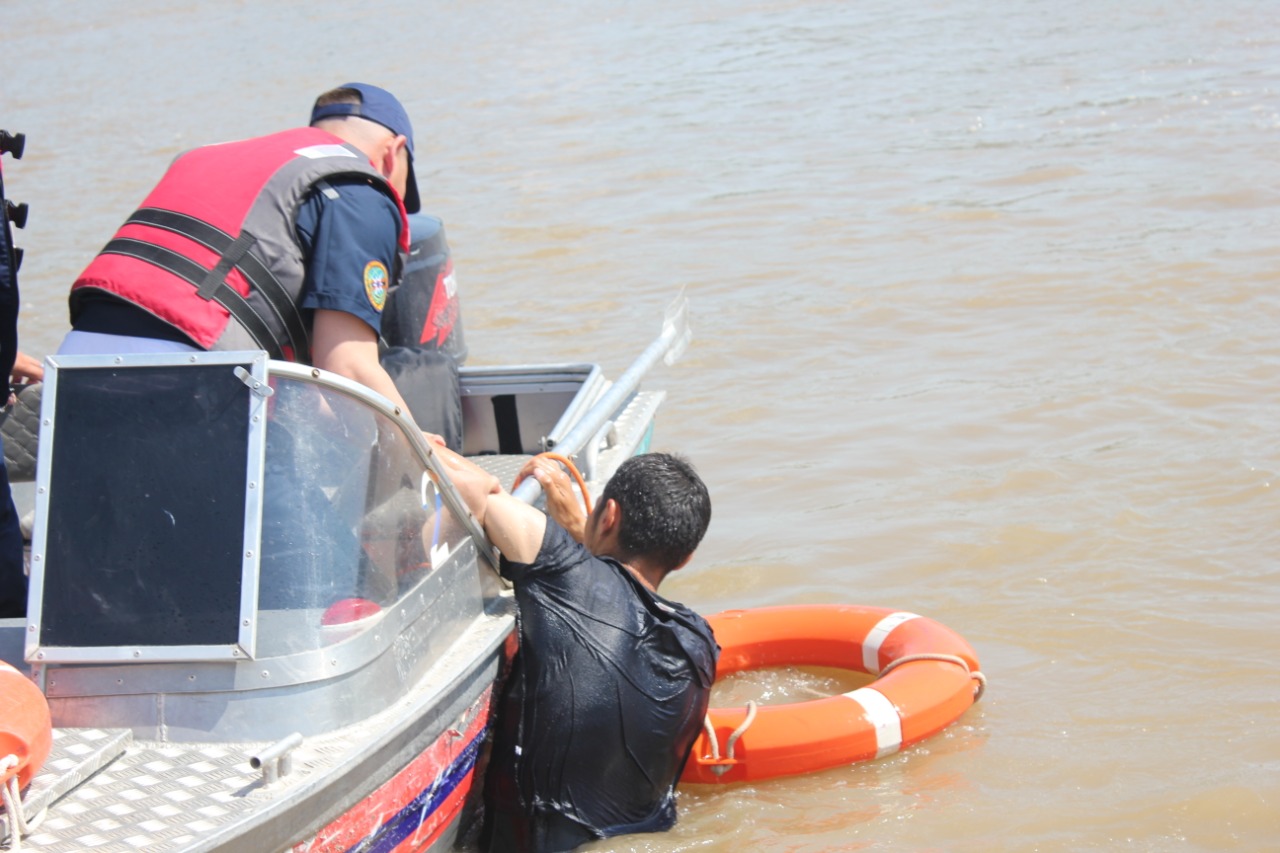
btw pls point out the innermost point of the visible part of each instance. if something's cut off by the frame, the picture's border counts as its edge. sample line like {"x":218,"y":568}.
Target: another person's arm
{"x":511,"y":524}
{"x":346,"y":345}
{"x":350,"y":232}
{"x":26,"y":370}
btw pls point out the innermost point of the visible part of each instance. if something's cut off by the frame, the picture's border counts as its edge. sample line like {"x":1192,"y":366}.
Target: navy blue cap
{"x":380,"y":106}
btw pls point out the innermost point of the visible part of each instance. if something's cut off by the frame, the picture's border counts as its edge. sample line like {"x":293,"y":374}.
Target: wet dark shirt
{"x":606,"y":696}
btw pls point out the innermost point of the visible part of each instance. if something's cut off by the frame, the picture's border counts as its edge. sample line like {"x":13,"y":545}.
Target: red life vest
{"x":213,"y":251}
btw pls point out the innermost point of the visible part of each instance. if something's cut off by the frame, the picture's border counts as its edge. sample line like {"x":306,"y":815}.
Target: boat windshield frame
{"x":63,"y":375}
{"x":238,"y":641}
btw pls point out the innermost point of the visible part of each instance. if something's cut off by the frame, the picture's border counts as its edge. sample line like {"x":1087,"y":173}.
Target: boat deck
{"x":115,"y":793}
{"x":117,"y":789}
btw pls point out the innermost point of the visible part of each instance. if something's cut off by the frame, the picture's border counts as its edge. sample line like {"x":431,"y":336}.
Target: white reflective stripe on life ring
{"x":876,"y":636}
{"x":882,"y":716}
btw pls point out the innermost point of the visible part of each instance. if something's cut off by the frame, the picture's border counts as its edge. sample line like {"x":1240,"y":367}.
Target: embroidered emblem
{"x":375,"y":284}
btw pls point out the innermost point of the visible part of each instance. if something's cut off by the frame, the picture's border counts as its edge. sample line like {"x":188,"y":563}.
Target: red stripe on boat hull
{"x":382,"y":812}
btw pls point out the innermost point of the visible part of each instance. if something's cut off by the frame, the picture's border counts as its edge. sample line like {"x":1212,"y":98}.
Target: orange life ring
{"x":928,"y":677}
{"x":26,"y":729}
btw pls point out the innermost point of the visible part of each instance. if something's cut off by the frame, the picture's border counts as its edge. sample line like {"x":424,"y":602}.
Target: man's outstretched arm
{"x":511,"y":524}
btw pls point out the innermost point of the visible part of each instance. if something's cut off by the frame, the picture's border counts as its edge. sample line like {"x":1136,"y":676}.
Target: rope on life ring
{"x":904,"y":705}
{"x":26,"y":738}
{"x":19,"y":824}
{"x":733,"y":738}
{"x":957,"y":660}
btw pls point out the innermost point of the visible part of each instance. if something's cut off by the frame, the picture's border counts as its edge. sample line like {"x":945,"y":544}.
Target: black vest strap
{"x":194,"y":273}
{"x":233,"y":253}
{"x":230,"y":258}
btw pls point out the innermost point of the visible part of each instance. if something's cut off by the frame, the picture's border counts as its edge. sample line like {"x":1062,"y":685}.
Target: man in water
{"x":611,"y":682}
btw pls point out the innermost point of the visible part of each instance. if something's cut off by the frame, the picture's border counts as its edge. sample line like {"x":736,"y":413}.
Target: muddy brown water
{"x":985,"y":306}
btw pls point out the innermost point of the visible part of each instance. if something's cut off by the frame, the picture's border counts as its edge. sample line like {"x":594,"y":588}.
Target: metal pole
{"x":669,"y":345}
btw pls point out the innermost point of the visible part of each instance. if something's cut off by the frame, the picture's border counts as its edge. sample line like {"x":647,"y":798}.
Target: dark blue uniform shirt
{"x":349,"y":230}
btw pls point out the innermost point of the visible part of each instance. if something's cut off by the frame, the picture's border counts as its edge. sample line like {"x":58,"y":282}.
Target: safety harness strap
{"x":233,"y":253}
{"x":193,"y":273}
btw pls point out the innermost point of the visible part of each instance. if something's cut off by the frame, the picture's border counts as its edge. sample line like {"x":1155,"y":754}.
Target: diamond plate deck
{"x":189,"y":796}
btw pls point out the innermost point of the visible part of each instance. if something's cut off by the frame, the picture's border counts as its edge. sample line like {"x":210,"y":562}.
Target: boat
{"x":260,"y":614}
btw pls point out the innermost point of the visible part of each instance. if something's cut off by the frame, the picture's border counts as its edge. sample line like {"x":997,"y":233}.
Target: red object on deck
{"x":26,"y":728}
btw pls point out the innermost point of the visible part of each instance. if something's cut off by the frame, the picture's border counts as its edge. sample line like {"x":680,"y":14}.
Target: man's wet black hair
{"x":665,"y":508}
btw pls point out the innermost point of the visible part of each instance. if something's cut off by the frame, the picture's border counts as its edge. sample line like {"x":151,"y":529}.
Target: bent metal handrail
{"x":417,"y":440}
{"x":669,"y":345}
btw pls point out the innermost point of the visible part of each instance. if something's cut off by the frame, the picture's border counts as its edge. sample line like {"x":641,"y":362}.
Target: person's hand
{"x":473,"y":483}
{"x":26,"y":370}
{"x":433,"y":439}
{"x":563,"y":503}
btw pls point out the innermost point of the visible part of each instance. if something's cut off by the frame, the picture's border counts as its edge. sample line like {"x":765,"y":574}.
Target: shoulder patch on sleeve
{"x":375,"y":284}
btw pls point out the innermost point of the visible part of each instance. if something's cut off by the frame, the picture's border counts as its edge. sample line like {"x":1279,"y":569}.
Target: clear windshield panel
{"x":351,"y":520}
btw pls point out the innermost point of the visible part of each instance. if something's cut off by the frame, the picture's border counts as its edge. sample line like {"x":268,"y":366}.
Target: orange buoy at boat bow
{"x":26,"y":729}
{"x":928,"y":677}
